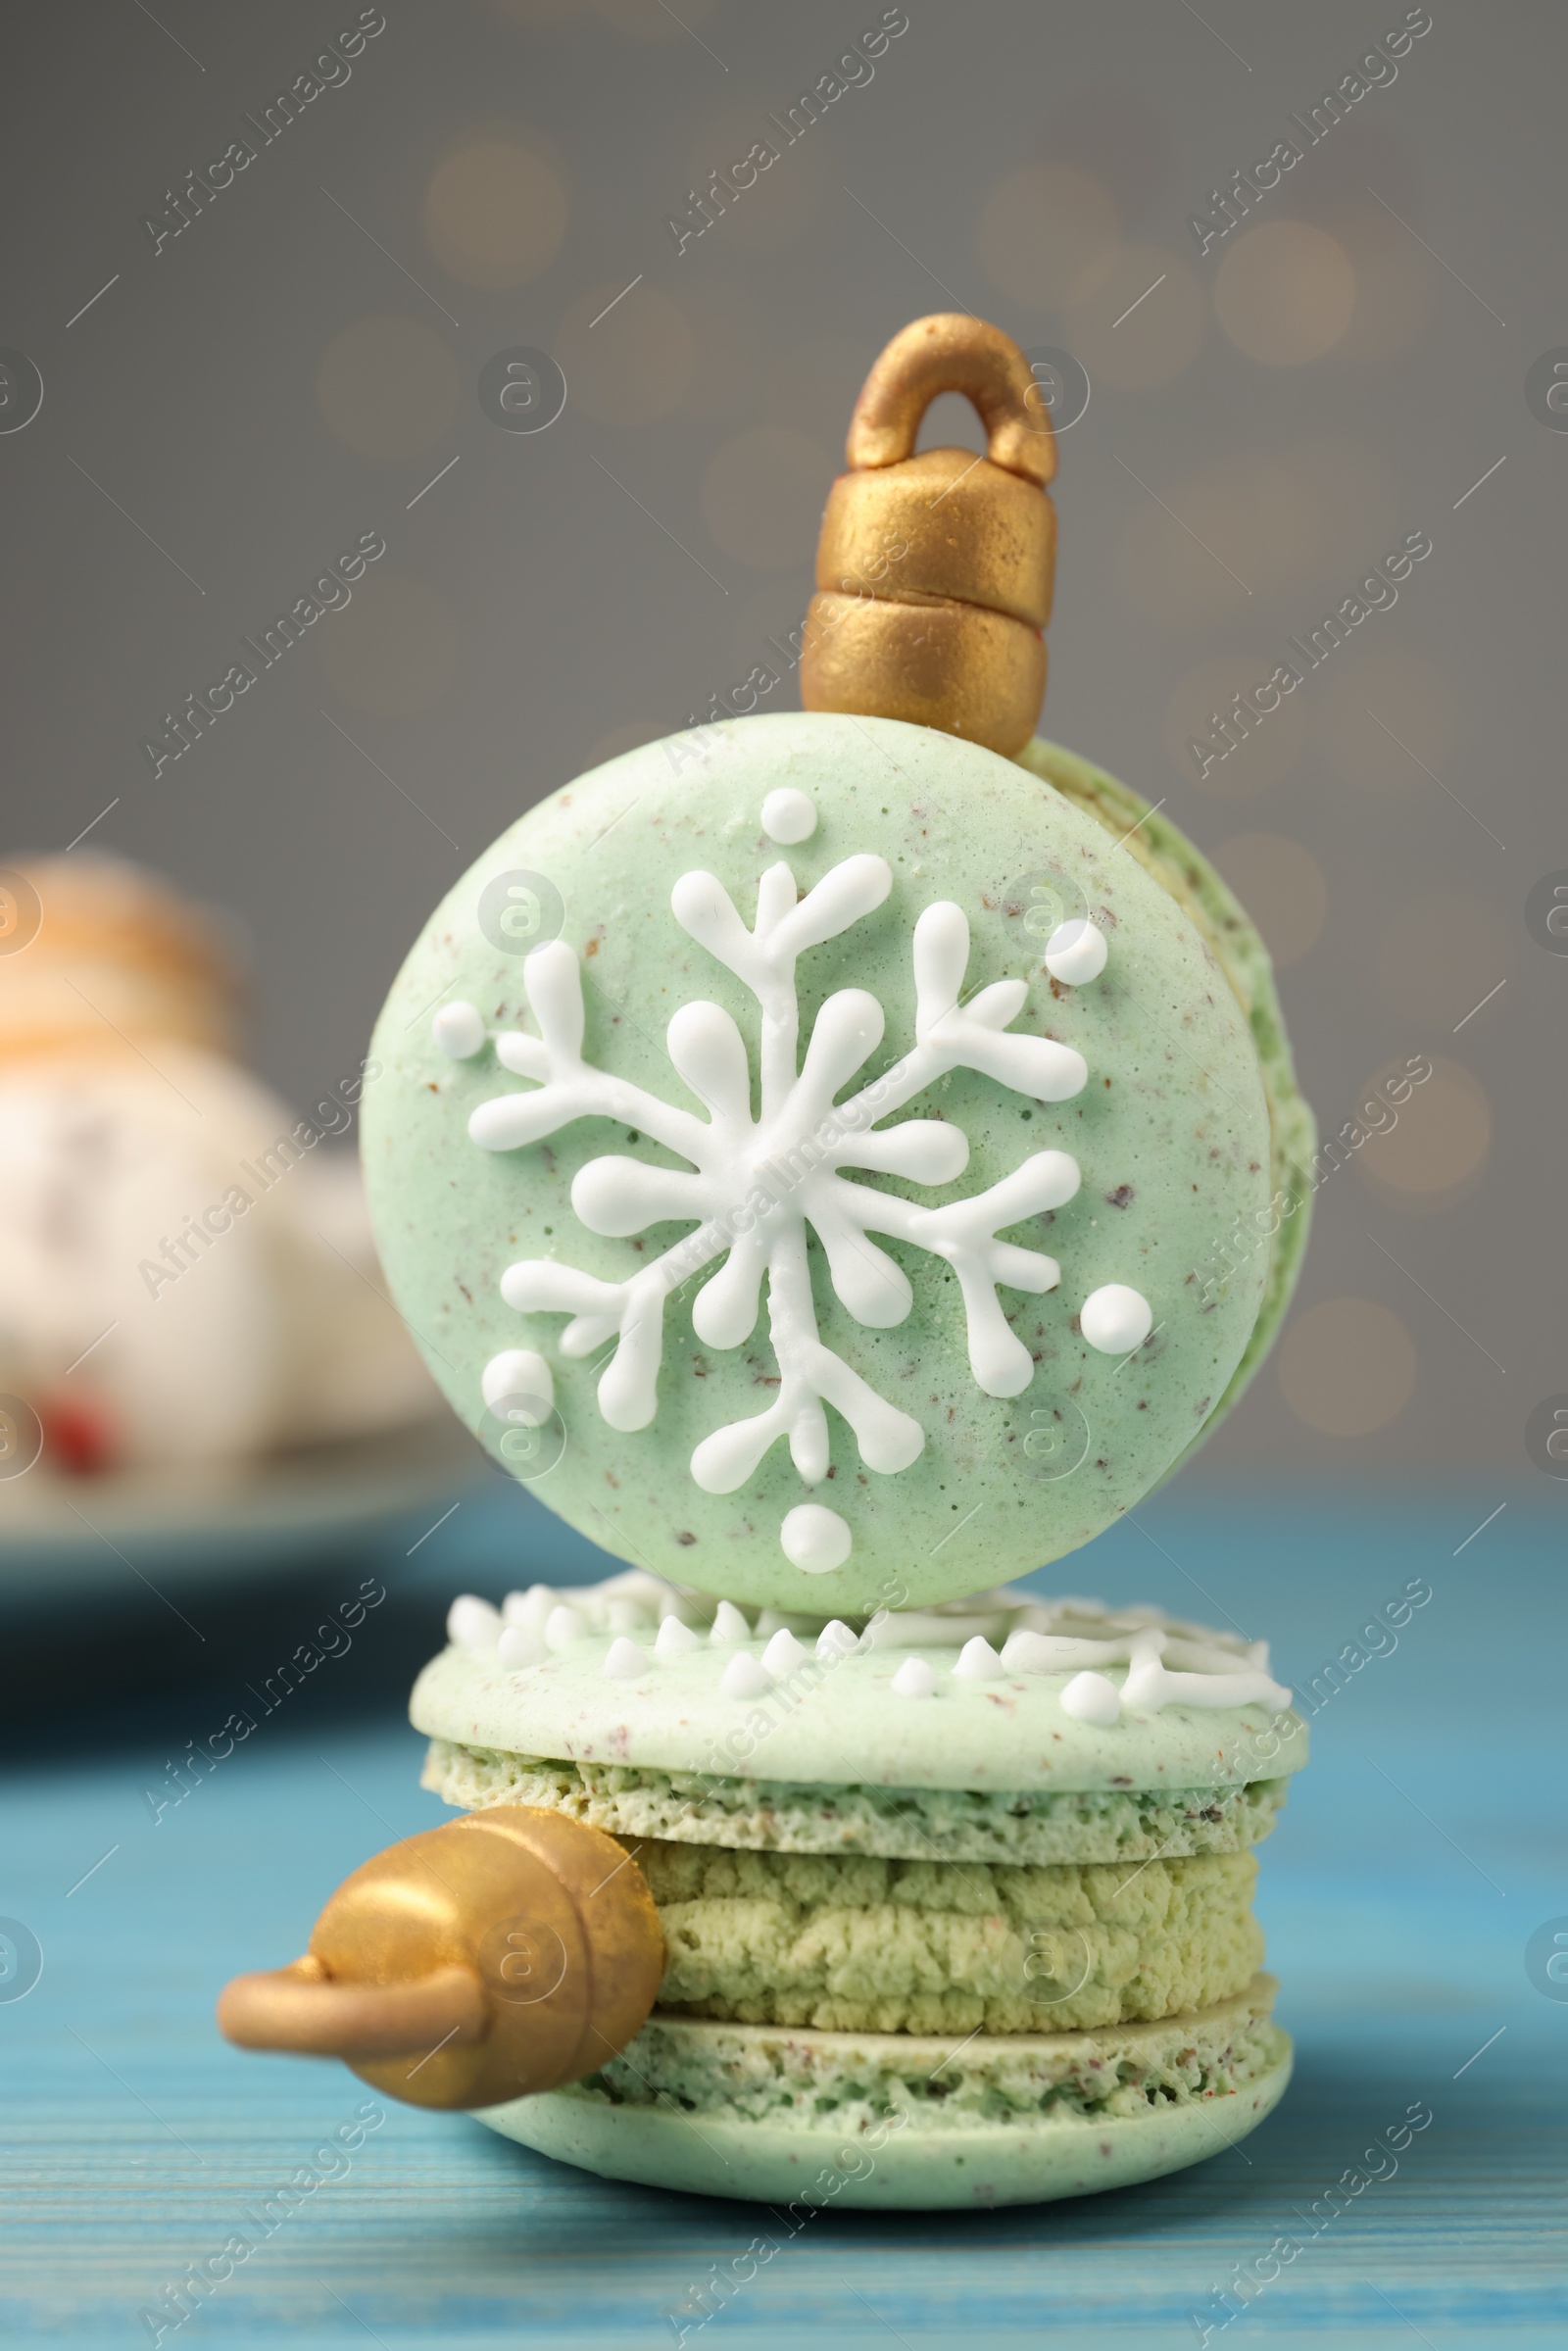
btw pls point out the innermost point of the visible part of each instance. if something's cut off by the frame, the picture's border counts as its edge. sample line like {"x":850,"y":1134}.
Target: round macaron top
{"x":1000,"y":1690}
{"x":798,"y":1147}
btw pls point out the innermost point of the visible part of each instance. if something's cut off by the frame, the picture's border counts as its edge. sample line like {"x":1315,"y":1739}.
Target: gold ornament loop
{"x":951,"y":352}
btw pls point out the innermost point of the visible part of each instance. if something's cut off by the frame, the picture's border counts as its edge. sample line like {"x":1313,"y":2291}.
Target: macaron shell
{"x":842,"y":1724}
{"x":1171,"y":1134}
{"x":767,"y":2162}
{"x":1183,"y":870}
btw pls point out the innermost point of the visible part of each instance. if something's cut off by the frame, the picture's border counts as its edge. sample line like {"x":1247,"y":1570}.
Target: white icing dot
{"x":624,"y":1662}
{"x":978,"y":1662}
{"x":783,"y":1653}
{"x":563,"y":1626}
{"x":1027,"y":1652}
{"x":836,"y":1640}
{"x":519,"y":1646}
{"x":1075,"y":952}
{"x":530,"y":1609}
{"x":729,"y":1626}
{"x":914,"y":1679}
{"x":473,"y":1624}
{"x":521,"y":1378}
{"x":1092,"y":1698}
{"x":1115,"y":1319}
{"x":675,"y":1639}
{"x":459,"y":1030}
{"x":815,"y":1540}
{"x":745,"y":1677}
{"x":788,"y":816}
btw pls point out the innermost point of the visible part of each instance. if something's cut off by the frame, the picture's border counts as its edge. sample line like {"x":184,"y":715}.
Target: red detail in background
{"x":78,"y":1437}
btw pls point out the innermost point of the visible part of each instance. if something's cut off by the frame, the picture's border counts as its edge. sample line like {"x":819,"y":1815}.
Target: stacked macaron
{"x":839,"y":1161}
{"x":804,"y":1151}
{"x":978,"y":1876}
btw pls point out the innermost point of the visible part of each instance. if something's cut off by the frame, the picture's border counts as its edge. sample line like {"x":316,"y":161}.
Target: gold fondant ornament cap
{"x":934,"y":570}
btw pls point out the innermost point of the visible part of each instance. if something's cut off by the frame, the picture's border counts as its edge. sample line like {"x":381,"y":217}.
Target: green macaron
{"x":806,"y":1152}
{"x":956,"y":1906}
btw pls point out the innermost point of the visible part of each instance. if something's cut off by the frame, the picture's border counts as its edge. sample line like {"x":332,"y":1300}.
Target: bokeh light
{"x":1041,"y":228}
{"x":1387,"y":721}
{"x":784,"y":197}
{"x":1260,"y":759}
{"x":1347,"y":1367}
{"x":650,"y":22}
{"x":1440,"y":1147}
{"x":629,"y":363}
{"x":1299,"y":519}
{"x":387,"y":387}
{"x":394,"y":650}
{"x":1135,"y":316}
{"x":1439,"y":956}
{"x":761,"y":496}
{"x":1285,"y":292}
{"x":1281,"y":885}
{"x":495,"y":213}
{"x":1396,"y":284}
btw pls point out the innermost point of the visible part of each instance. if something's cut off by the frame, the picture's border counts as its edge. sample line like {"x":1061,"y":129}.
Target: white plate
{"x":93,"y":1535}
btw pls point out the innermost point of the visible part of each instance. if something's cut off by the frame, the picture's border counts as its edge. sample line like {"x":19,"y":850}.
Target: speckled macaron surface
{"x":778,"y":1190}
{"x":990,"y":1697}
{"x":809,"y":2121}
{"x":1277,"y":1239}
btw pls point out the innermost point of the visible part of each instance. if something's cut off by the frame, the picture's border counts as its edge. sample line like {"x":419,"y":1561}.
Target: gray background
{"x":282,"y":379}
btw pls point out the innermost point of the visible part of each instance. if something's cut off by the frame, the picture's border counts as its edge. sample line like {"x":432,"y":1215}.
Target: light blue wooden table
{"x":1418,"y":1856}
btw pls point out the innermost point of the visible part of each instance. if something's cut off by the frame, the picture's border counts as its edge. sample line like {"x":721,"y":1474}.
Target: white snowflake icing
{"x":757,"y":1178}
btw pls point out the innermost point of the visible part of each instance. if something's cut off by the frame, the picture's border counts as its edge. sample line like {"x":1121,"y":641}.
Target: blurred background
{"x":299,"y":366}
{"x":244,"y":341}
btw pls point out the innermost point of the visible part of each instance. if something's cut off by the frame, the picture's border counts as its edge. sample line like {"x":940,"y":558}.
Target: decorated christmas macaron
{"x":839,"y":1161}
{"x":955,"y":1908}
{"x":796,"y":1209}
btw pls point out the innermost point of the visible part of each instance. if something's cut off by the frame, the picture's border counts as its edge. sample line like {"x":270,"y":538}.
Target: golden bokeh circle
{"x":762,"y":181}
{"x":629,"y":363}
{"x":1041,"y":228}
{"x":1396,"y":284}
{"x":1352,"y":510}
{"x":540,"y":15}
{"x":1281,"y":885}
{"x":1439,"y":955}
{"x":1260,"y":758}
{"x":650,"y":22}
{"x":1264,"y":521}
{"x":1347,"y":1367}
{"x":646,"y":21}
{"x":761,"y":496}
{"x":1135,"y":316}
{"x":387,"y":387}
{"x":1285,"y":292}
{"x":1386,"y":720}
{"x":1440,"y":1145}
{"x":495,"y":213}
{"x":394,"y":650}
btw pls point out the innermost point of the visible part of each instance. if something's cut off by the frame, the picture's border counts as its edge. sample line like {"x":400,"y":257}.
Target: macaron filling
{"x":852,"y":1944}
